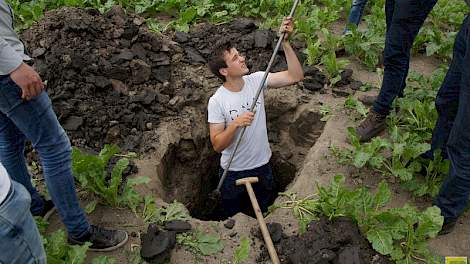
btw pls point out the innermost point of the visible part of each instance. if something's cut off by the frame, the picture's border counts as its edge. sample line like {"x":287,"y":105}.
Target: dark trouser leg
{"x":455,"y":191}
{"x":447,"y":100}
{"x":235,"y":198}
{"x":407,"y":18}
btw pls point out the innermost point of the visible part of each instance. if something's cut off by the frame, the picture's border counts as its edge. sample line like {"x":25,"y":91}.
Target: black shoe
{"x":47,"y":210}
{"x":447,"y":227}
{"x":101,"y":239}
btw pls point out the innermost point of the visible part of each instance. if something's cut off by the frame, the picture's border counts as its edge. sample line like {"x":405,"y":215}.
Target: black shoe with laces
{"x":101,"y":239}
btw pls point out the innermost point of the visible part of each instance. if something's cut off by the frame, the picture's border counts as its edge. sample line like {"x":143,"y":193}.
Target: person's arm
{"x":294,"y":71}
{"x":9,"y":58}
{"x":222,"y":137}
{"x":22,"y":74}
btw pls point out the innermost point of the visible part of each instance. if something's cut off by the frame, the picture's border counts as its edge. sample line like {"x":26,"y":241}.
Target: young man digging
{"x":228,"y":114}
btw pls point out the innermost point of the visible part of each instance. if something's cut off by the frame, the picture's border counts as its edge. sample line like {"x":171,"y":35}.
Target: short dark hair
{"x":216,"y":61}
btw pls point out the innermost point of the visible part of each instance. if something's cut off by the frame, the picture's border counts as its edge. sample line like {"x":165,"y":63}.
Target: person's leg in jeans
{"x":265,"y":186}
{"x":402,"y":27}
{"x":12,"y":143}
{"x":408,"y":17}
{"x":455,"y":191}
{"x":234,"y":196}
{"x":447,"y":99}
{"x":20,"y":242}
{"x":37,"y":121}
{"x":355,"y":14}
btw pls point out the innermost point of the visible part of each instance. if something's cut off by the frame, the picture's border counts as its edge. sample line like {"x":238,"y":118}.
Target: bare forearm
{"x":225,"y":138}
{"x":294,"y":68}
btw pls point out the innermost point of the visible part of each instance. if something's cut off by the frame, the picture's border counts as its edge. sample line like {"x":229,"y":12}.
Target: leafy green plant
{"x":367,"y":154}
{"x":431,"y":182}
{"x":103,"y":260}
{"x":333,"y":199}
{"x":58,"y":251}
{"x":90,"y":207}
{"x":160,"y":215}
{"x":401,"y":233}
{"x":325,"y":111}
{"x":41,"y":224}
{"x":305,"y":209}
{"x":354,"y":104}
{"x":91,"y":173}
{"x":242,"y":252}
{"x":200,"y":243}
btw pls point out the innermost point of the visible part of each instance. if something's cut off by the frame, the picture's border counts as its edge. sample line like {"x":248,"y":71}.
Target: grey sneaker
{"x":371,"y":126}
{"x":101,"y":239}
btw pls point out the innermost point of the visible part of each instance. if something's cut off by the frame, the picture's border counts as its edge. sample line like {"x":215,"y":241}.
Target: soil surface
{"x":338,"y":242}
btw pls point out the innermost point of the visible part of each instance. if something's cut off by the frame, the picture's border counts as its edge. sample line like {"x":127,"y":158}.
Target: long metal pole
{"x":260,"y":88}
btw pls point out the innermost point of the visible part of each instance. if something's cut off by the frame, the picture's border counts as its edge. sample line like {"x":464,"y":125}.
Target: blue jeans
{"x":455,"y":190}
{"x":20,"y":242}
{"x":355,"y":14}
{"x":404,"y":18}
{"x":36,"y":121}
{"x":235,"y":198}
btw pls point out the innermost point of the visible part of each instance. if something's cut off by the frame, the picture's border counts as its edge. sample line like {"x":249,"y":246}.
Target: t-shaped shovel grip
{"x":247,"y":180}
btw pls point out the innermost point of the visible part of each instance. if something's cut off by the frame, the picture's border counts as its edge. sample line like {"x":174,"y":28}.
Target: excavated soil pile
{"x":255,"y":44}
{"x":104,"y":74}
{"x":325,"y":242}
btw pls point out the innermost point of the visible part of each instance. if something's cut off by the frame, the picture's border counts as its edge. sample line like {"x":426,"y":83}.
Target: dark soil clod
{"x":229,"y":224}
{"x":157,"y":244}
{"x":338,"y":242}
{"x":178,"y":226}
{"x":275,"y":230}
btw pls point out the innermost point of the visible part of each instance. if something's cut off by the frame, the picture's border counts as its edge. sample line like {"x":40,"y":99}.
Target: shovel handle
{"x":262,"y":224}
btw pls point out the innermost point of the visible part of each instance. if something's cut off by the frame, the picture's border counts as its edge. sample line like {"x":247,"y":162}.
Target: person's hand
{"x":245,"y":119}
{"x":28,"y":80}
{"x":287,"y":27}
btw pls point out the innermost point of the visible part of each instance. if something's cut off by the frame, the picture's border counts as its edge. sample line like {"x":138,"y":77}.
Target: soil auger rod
{"x":260,"y":88}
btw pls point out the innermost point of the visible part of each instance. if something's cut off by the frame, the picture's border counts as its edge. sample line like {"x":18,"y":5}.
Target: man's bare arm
{"x":294,"y":71}
{"x":222,"y":137}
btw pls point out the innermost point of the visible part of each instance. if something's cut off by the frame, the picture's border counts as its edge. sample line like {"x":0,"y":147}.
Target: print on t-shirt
{"x":234,"y":112}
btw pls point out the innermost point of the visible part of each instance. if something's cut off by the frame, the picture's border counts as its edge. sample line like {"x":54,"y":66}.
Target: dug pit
{"x":189,"y":170}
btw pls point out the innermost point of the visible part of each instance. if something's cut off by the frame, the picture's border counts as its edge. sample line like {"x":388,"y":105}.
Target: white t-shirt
{"x":224,"y":106}
{"x":5,"y":183}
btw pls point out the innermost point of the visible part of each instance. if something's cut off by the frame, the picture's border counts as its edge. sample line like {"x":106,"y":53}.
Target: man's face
{"x":236,"y":65}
